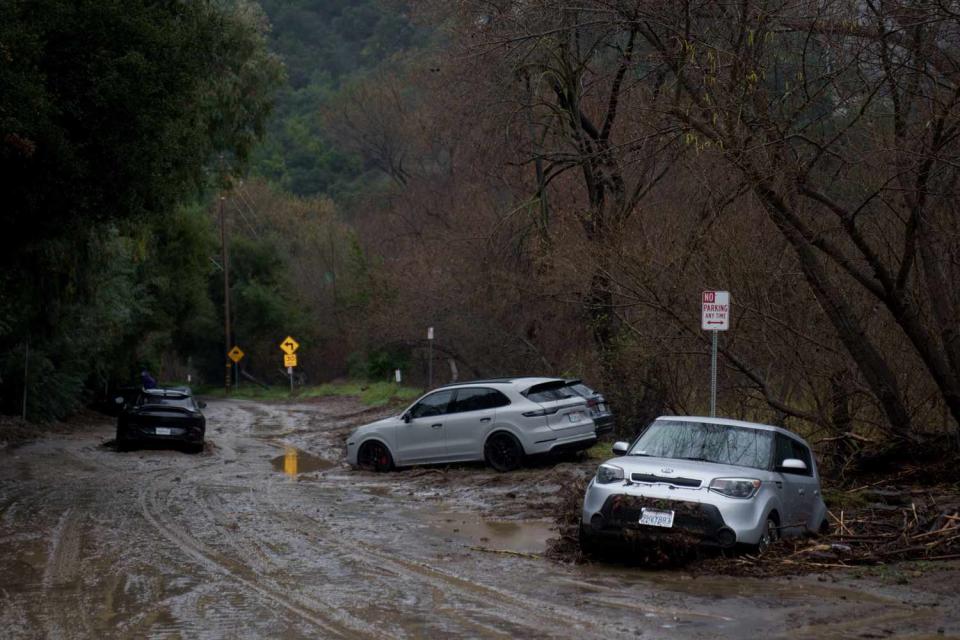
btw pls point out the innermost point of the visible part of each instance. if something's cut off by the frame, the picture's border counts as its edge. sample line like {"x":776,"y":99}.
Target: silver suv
{"x":499,"y":421}
{"x":721,"y":481}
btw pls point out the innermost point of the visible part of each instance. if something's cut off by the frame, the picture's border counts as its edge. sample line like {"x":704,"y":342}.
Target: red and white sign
{"x":715,"y":311}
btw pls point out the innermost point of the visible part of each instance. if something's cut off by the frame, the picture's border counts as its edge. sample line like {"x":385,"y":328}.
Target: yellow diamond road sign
{"x":290,"y":360}
{"x":289,"y":346}
{"x":235,"y":354}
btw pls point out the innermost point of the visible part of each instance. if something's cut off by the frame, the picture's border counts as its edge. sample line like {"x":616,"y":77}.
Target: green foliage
{"x":372,"y":394}
{"x":112,"y":113}
{"x":323,"y":43}
{"x":378,"y":364}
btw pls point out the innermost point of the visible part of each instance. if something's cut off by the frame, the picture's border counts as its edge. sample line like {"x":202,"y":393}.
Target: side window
{"x":790,"y":448}
{"x":800,"y":452}
{"x":784,"y":450}
{"x":478,"y":400}
{"x":434,"y":404}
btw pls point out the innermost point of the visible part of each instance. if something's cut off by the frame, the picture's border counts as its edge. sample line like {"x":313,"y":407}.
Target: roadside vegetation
{"x":373,"y":394}
{"x":550,"y":187}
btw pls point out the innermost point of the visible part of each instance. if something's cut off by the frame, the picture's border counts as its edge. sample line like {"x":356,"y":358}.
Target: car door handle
{"x":802,"y":492}
{"x":436,"y":426}
{"x":484,"y":419}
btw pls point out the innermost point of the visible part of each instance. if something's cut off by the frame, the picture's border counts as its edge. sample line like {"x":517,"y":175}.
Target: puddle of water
{"x":294,"y":462}
{"x":525,"y":536}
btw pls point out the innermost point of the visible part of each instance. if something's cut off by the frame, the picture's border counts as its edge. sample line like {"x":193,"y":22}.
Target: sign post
{"x":289,"y":347}
{"x":236,"y":354}
{"x":429,"y":357}
{"x":714,"y":317}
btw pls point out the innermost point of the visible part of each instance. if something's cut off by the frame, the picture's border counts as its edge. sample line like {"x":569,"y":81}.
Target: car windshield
{"x":720,"y":443}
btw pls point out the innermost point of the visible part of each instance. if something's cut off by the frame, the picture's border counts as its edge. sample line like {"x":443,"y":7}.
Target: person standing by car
{"x":147,"y":380}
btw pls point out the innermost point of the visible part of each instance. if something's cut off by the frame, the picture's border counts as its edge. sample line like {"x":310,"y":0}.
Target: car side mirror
{"x":793,"y":465}
{"x":118,"y":400}
{"x":202,"y":404}
{"x":620,"y":448}
{"x":406,"y":417}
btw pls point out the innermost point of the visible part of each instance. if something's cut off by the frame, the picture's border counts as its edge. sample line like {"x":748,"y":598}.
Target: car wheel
{"x":771,"y":533}
{"x":503,"y":452}
{"x":588,"y":542}
{"x":374,"y":456}
{"x":195,"y":448}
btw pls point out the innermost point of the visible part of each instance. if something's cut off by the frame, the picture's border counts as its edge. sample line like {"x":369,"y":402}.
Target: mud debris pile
{"x":877,"y":526}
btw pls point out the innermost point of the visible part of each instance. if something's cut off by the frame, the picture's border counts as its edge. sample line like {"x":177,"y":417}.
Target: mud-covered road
{"x":267,"y":534}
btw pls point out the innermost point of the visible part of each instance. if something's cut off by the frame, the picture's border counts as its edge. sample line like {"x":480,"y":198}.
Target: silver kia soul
{"x":720,"y":481}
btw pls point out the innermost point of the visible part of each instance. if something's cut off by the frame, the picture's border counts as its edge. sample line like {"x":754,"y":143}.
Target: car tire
{"x":771,"y":534}
{"x":503,"y":452}
{"x":374,"y":456}
{"x":588,"y":542}
{"x":195,"y":448}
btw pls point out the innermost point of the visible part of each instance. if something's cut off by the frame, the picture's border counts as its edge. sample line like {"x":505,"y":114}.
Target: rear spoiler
{"x":158,"y":392}
{"x":545,"y":386}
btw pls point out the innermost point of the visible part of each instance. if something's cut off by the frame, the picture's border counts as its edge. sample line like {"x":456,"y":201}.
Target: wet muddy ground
{"x":268,"y":534}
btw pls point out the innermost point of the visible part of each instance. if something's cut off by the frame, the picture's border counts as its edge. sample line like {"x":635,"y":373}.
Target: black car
{"x":162,"y":415}
{"x":599,"y":409}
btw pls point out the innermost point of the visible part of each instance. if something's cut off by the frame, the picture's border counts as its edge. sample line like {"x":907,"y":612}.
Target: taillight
{"x":592,"y":402}
{"x":540,"y":413}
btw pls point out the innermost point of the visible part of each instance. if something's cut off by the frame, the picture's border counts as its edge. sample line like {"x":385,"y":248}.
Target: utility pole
{"x":26,"y":372}
{"x":226,"y":292}
{"x":429,"y":357}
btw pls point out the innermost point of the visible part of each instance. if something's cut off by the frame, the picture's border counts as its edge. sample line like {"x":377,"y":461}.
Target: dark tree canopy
{"x":111,"y":113}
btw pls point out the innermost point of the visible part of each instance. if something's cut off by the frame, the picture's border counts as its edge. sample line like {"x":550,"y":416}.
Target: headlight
{"x":735,"y":487}
{"x":608,"y":473}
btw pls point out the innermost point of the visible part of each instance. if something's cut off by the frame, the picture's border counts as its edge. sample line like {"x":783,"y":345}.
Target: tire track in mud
{"x":63,"y":561}
{"x":62,"y":585}
{"x":537,"y":616}
{"x":314,"y":613}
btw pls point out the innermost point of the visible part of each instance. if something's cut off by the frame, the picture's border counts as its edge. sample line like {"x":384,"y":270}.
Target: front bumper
{"x":693,"y":523}
{"x":710,"y":518}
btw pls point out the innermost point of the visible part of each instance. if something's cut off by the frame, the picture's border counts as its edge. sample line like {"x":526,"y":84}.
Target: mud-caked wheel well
{"x":375,"y":455}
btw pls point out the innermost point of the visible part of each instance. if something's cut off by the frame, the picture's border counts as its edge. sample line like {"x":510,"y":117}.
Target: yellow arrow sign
{"x":290,"y":360}
{"x":289,"y":346}
{"x":235,"y":354}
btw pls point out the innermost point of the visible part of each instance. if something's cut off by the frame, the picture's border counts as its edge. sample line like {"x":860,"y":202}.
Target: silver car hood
{"x":372,"y":426}
{"x":675,"y":468}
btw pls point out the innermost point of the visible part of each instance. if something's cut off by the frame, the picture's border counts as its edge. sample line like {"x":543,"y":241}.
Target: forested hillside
{"x":326,"y":46}
{"x":550,"y":186}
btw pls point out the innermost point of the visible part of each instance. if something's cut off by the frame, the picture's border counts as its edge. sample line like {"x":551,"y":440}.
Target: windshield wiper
{"x":695,"y":459}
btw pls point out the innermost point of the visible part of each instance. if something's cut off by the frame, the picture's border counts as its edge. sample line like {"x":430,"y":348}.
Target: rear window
{"x":184,"y":402}
{"x":549,"y":391}
{"x":581,"y":389}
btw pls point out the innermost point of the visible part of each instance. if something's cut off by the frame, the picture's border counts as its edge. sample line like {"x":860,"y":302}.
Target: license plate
{"x":163,"y":431}
{"x":575,"y":416}
{"x":656,"y":518}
